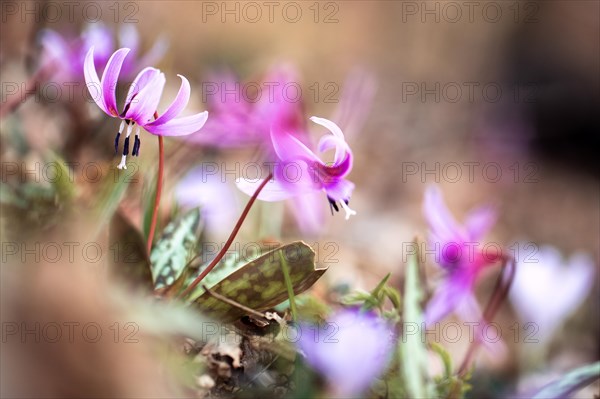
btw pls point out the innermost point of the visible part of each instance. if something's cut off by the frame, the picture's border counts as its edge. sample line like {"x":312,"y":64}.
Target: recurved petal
{"x":309,"y":211}
{"x":100,"y":36}
{"x":480,"y":221}
{"x":180,"y":126}
{"x":143,"y":78}
{"x":180,"y":102}
{"x":92,"y":81}
{"x":331,"y":126}
{"x":333,"y":142}
{"x":289,"y":148}
{"x":339,"y":190}
{"x":439,"y":218}
{"x":54,"y":45}
{"x":443,"y":302}
{"x":145,"y":102}
{"x":110,"y":77}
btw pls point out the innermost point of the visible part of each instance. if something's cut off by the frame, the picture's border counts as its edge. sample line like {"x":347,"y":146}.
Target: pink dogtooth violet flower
{"x":459,"y":251}
{"x":299,"y":171}
{"x":65,"y":51}
{"x":141,"y":102}
{"x":239,"y":119}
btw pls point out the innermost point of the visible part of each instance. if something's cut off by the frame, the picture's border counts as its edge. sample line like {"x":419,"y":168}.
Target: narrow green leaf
{"x":570,"y":382}
{"x":413,"y":355}
{"x":380,"y":286}
{"x":259,"y":284}
{"x":171,"y":252}
{"x":393,"y":295}
{"x":446,"y":359}
{"x":288,"y":285}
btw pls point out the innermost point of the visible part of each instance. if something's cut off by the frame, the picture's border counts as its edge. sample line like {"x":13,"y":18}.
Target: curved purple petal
{"x":101,"y":37}
{"x":334,"y":142}
{"x":480,"y":221}
{"x":54,"y":45}
{"x":143,"y":106}
{"x":180,"y":102}
{"x":110,"y":76}
{"x":289,"y":148}
{"x":309,"y":212}
{"x":143,"y":78}
{"x":339,"y":190}
{"x":92,"y":81}
{"x":440,"y":220}
{"x":180,"y":126}
{"x":445,"y":299}
{"x":329,"y":125}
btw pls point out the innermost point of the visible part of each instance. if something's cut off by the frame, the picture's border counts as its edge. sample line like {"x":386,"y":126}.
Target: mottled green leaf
{"x":570,"y":382}
{"x":172,"y":251}
{"x":259,"y":284}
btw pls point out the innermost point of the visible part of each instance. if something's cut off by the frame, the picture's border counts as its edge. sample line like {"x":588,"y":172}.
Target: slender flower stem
{"x":223,"y":250}
{"x":159,"y":184}
{"x":501,"y":289}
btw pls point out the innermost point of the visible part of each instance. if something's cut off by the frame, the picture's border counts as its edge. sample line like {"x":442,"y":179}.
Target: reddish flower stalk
{"x":223,"y":250}
{"x":159,"y":183}
{"x":500,"y":293}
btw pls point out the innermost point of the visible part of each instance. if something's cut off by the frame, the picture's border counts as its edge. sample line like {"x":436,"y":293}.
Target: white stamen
{"x":122,"y":126}
{"x":349,"y":212}
{"x":129,"y":129}
{"x":122,"y":164}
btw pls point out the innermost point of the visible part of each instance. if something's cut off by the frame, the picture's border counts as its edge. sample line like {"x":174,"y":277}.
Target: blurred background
{"x":494,"y":101}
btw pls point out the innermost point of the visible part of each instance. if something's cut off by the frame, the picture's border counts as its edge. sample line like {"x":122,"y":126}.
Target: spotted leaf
{"x":174,"y":248}
{"x":258,"y":284}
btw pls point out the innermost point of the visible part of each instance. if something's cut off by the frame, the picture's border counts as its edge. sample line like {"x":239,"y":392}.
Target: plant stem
{"x":288,"y":284}
{"x":501,"y":289}
{"x":223,"y":250}
{"x":159,"y":184}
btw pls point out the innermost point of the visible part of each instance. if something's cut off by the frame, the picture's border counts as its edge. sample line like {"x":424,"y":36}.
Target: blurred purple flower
{"x":548,"y":288}
{"x":354,"y":356}
{"x":215,"y":198}
{"x":459,"y":252}
{"x":140,"y":105}
{"x":238,"y":119}
{"x":65,"y":53}
{"x":299,"y":171}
